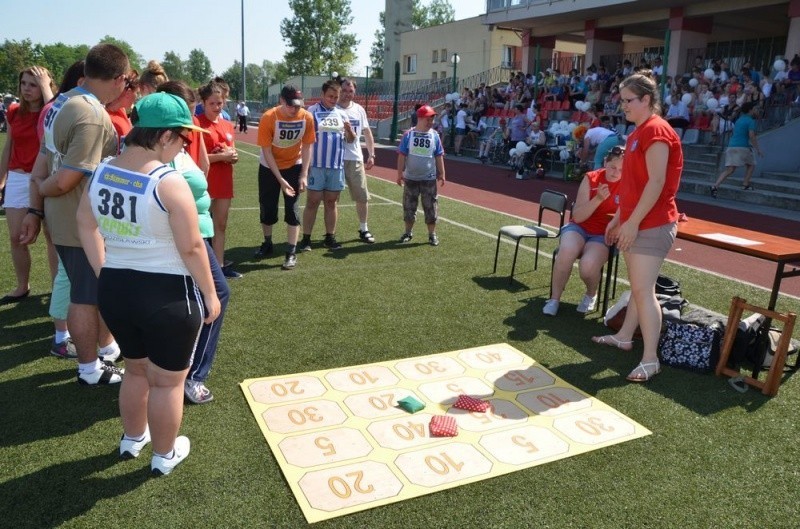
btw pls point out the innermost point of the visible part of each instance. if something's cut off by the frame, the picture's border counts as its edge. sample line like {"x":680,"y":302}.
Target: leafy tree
{"x":134,"y":58}
{"x":422,"y":16}
{"x":376,"y":53}
{"x":174,"y":66}
{"x":58,"y":57}
{"x":198,"y":67}
{"x":14,"y":57}
{"x":316,"y":39}
{"x":438,"y":12}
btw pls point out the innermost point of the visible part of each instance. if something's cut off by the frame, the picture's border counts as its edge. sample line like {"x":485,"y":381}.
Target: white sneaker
{"x":551,"y":307}
{"x":161,"y":466}
{"x":129,"y":448}
{"x":587,"y":304}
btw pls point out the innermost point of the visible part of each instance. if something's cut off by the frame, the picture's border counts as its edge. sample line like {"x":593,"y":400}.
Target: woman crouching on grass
{"x":138,"y":226}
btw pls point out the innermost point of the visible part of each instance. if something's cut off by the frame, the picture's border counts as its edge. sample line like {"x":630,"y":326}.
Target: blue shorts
{"x":461,"y":132}
{"x":320,"y":179}
{"x":571,"y":226}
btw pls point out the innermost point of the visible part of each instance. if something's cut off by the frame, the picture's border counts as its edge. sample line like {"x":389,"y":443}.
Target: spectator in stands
{"x":645,"y":224}
{"x":792,"y":82}
{"x":498,"y":99}
{"x":584,"y":235}
{"x":658,"y":67}
{"x":595,"y":96}
{"x":518,"y":125}
{"x":678,"y":113}
{"x":461,"y":127}
{"x":627,"y":68}
{"x":496,"y":140}
{"x":739,"y":152}
{"x":604,"y":78}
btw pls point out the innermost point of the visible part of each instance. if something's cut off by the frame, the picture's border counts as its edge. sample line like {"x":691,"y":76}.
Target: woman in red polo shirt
{"x":645,"y":224}
{"x":16,"y":162}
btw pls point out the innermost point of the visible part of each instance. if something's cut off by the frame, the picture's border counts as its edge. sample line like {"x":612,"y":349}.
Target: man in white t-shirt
{"x":354,"y":163}
{"x":242,"y":112}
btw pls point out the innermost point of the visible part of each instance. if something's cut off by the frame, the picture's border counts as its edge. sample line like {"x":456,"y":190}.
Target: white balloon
{"x":563,"y":123}
{"x":456,"y":95}
{"x":709,"y":73}
{"x":668,"y":100}
{"x":572,"y":126}
{"x":779,"y":65}
{"x":693,"y":82}
{"x":512,"y":152}
{"x":521,"y":146}
{"x":723,"y":101}
{"x":448,"y":98}
{"x":686,"y":99}
{"x":712,"y":104}
{"x":564,"y":155}
{"x":584,"y":106}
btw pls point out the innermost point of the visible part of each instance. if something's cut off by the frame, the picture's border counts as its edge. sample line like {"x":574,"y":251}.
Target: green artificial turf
{"x":716,"y":458}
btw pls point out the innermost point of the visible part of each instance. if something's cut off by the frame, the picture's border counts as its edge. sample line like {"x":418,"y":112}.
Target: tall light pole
{"x":366,"y":91}
{"x":454,"y":59}
{"x":244,"y":92}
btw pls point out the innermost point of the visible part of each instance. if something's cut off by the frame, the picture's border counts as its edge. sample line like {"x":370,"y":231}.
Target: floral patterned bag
{"x":690,"y":346}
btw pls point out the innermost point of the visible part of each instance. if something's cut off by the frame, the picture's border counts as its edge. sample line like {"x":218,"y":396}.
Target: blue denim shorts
{"x":571,"y":226}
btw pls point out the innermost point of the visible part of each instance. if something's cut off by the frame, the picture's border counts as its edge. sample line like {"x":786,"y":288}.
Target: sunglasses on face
{"x":186,"y":140}
{"x":617,"y":150}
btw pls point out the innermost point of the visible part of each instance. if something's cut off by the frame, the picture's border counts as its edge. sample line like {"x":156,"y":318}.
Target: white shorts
{"x":17,"y":193}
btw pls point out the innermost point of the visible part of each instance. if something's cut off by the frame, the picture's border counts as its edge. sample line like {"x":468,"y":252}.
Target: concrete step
{"x":762,"y":195}
{"x":789,"y":177}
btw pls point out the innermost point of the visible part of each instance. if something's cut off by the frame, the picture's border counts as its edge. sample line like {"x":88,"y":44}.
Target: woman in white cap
{"x":139,"y":228}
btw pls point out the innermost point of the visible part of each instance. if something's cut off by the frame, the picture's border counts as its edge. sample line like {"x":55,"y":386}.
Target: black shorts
{"x":83,"y":282}
{"x":269,"y":191}
{"x":154,"y":316}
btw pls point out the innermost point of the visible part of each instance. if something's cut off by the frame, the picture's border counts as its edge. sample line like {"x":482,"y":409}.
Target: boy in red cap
{"x":420,"y":163}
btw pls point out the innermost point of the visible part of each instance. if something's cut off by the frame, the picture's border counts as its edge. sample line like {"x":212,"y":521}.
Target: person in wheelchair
{"x":584,"y":236}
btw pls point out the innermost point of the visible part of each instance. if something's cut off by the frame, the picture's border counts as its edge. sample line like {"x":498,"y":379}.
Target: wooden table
{"x":780,"y":250}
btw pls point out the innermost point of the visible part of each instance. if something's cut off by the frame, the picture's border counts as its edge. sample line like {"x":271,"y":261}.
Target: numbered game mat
{"x":344,"y":445}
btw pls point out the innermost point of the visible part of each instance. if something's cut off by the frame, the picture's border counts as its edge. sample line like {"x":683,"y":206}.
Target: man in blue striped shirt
{"x":326,"y":175}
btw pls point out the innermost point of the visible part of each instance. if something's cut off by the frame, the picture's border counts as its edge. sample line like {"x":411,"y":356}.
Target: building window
{"x":508,"y":57}
{"x":443,"y":55}
{"x":442,"y":75}
{"x":410,"y":62}
{"x":434,"y":75}
{"x":435,"y":56}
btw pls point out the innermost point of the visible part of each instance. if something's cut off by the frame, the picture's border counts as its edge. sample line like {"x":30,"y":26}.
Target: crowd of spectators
{"x":708,"y":97}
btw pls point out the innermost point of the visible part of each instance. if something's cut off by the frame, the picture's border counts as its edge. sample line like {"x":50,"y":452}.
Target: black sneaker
{"x":433,"y":240}
{"x":290,"y":262}
{"x":304,"y":246}
{"x":713,"y":190}
{"x":331,"y":242}
{"x":406,"y":237}
{"x":106,"y":374}
{"x":366,"y":236}
{"x":230,"y":273}
{"x":264,"y":250}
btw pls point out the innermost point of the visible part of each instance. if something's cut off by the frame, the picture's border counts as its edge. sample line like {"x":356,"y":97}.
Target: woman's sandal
{"x":747,"y":188}
{"x":647,"y":370}
{"x":613,"y":342}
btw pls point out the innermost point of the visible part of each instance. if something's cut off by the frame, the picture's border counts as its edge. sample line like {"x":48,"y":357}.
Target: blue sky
{"x":213,"y":26}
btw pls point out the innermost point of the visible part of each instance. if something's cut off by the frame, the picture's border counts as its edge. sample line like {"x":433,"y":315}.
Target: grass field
{"x":716,"y":458}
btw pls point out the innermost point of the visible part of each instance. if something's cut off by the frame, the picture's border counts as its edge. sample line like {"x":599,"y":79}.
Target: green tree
{"x":316,"y":39}
{"x":256,"y":79}
{"x":174,"y":66}
{"x":14,"y":57}
{"x":377,"y":51}
{"x":134,"y":58}
{"x":198,"y":67}
{"x":422,"y":16}
{"x":58,"y":57}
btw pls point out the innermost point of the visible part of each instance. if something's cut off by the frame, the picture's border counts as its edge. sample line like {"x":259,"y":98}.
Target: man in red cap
{"x":420,"y":163}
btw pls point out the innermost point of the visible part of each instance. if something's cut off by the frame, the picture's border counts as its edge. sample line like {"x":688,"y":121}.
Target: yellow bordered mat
{"x":345,"y":446}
